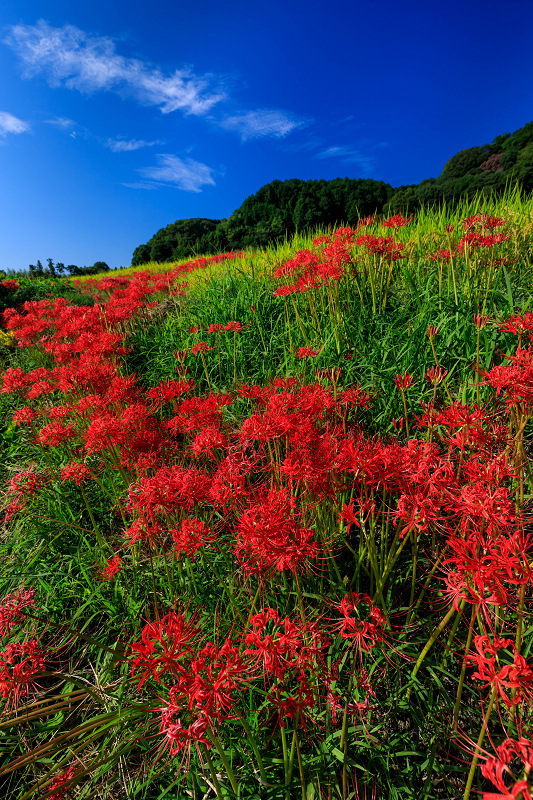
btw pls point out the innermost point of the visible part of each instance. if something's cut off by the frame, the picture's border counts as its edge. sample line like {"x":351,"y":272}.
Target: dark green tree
{"x":141,"y":255}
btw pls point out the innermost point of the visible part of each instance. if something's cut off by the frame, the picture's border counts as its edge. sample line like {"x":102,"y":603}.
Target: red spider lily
{"x":26,"y":483}
{"x":308,"y":464}
{"x":207,"y":441}
{"x":56,"y":434}
{"x":215,"y":327}
{"x":75,"y":472}
{"x":484,"y":570}
{"x":436,"y":375}
{"x":293,"y":703}
{"x":302,"y":259}
{"x":306,"y":352}
{"x":167,"y":390}
{"x":179,"y":737}
{"x":396,"y":222}
{"x":403,"y":381}
{"x":192,"y":535}
{"x":20,"y":664}
{"x":269,"y":537}
{"x":23,"y":416}
{"x":366,"y":508}
{"x":196,"y":413}
{"x":275,"y":644}
{"x":16,"y":506}
{"x":432,"y":332}
{"x":228,"y":485}
{"x":11,"y":609}
{"x":478,"y":240}
{"x":61,"y":784}
{"x":201,"y":347}
{"x":112,"y":568}
{"x":165,"y":647}
{"x":518,"y":324}
{"x":384,"y":246}
{"x":355,"y":397}
{"x":10,"y":285}
{"x":167,"y":491}
{"x":442,"y":255}
{"x":495,"y":768}
{"x":361,"y":681}
{"x":362,"y":623}
{"x":234,"y":326}
{"x":480,"y":321}
{"x":485,"y":220}
{"x":517,"y":676}
{"x":215,"y":673}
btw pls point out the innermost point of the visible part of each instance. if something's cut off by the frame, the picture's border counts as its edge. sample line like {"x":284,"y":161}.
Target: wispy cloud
{"x":69,"y":57}
{"x":348,"y":155}
{"x":11,"y":124}
{"x":262,"y":122}
{"x":61,"y":122}
{"x":185,"y":174}
{"x":126,"y":145}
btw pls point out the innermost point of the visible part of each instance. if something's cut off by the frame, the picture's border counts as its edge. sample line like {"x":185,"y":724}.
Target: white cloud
{"x":262,"y":122}
{"x":349,"y":156}
{"x":126,"y":145}
{"x":185,"y":174}
{"x":11,"y":124}
{"x":61,"y":122}
{"x":71,"y":58}
{"x":140,"y":185}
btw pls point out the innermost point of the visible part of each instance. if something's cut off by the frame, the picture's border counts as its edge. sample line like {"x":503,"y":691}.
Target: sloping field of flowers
{"x":269,"y":535}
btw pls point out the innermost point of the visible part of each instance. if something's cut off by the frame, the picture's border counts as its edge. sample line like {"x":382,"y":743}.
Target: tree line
{"x":281,"y":208}
{"x":57,"y":270}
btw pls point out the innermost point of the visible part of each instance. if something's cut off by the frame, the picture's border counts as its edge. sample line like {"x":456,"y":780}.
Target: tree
{"x":100,"y":266}
{"x":39,"y":271}
{"x":141,"y":255}
{"x":51,"y":269}
{"x":465,"y":161}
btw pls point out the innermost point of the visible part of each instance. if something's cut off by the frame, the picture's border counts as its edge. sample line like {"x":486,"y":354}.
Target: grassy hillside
{"x":267,"y":525}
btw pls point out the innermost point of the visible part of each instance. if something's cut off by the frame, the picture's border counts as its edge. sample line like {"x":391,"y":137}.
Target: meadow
{"x":267,"y":521}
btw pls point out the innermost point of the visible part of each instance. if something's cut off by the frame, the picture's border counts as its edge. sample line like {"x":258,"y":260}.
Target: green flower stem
{"x":260,"y":329}
{"x":224,"y":759}
{"x":393,"y":557}
{"x":292,"y":753}
{"x":216,"y":784}
{"x":283,"y":737}
{"x":483,"y":731}
{"x":300,"y":763}
{"x":431,"y":641}
{"x":463,"y":667}
{"x":205,"y":370}
{"x":253,"y":744}
{"x":101,"y":541}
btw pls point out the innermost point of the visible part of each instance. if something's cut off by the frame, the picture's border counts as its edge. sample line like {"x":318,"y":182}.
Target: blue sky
{"x":117,"y":118}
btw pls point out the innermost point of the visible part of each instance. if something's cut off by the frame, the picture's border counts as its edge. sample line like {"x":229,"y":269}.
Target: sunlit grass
{"x":343,"y":470}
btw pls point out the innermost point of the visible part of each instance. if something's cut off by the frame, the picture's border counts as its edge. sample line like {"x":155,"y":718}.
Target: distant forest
{"x":283,"y":207}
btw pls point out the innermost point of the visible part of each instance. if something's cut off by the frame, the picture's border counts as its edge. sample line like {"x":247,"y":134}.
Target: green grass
{"x":366,"y":329}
